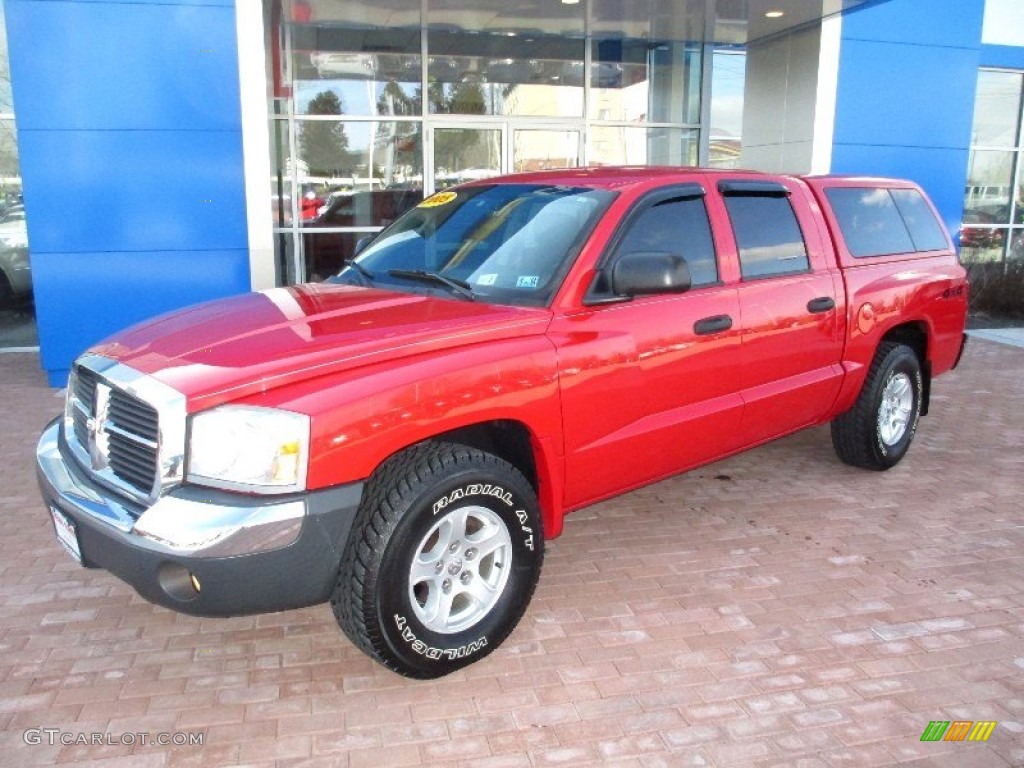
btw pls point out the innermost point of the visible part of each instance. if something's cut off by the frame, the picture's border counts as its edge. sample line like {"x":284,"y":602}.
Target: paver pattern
{"x":774,"y":609}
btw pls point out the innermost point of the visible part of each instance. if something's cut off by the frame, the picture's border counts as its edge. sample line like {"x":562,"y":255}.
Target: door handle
{"x":715,"y":324}
{"x":821,"y":304}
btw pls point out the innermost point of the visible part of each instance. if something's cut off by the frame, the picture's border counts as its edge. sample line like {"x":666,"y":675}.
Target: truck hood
{"x":231,"y":348}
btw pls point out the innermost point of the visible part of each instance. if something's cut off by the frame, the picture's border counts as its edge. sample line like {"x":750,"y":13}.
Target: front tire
{"x":877,"y":431}
{"x":443,"y":558}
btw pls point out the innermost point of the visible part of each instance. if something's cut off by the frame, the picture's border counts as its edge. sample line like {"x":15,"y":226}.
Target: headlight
{"x":248,"y":448}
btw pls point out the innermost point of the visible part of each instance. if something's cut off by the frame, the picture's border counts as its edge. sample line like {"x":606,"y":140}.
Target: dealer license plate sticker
{"x":66,"y":533}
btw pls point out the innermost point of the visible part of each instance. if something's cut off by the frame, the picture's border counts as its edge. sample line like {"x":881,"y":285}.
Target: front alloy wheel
{"x":460,"y":569}
{"x":443,"y":558}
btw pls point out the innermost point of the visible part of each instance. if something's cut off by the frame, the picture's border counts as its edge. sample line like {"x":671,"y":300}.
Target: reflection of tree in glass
{"x":10,"y":178}
{"x":10,"y":182}
{"x":5,"y":70}
{"x":324,"y":145}
{"x":399,"y":142}
{"x":394,"y":101}
{"x":454,"y":148}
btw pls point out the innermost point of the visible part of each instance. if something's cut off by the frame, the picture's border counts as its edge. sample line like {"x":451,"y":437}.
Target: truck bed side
{"x":915,"y":292}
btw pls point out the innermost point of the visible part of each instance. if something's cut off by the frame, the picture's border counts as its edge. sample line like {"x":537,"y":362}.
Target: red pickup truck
{"x":402,"y":439}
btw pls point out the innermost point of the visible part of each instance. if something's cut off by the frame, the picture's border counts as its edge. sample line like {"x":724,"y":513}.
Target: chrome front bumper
{"x":250,"y":554}
{"x":187,"y":521}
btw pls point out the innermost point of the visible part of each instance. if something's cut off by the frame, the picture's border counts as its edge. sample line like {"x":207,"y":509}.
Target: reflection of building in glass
{"x":17,"y":309}
{"x":993,"y":215}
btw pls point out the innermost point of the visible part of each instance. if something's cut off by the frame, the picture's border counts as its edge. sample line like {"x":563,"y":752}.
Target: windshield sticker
{"x":486,"y":279}
{"x":527,"y":281}
{"x":441,"y":198}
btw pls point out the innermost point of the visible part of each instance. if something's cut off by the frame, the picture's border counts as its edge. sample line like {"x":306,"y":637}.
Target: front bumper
{"x":248,"y":554}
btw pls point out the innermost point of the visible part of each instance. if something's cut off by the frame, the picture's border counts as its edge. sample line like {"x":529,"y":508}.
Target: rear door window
{"x":767,"y":235}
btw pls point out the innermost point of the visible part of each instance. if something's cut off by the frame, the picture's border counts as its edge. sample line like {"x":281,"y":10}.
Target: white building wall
{"x":789,"y":100}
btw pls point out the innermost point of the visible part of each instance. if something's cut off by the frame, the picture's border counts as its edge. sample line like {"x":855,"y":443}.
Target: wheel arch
{"x":514,"y":441}
{"x":915,"y":334}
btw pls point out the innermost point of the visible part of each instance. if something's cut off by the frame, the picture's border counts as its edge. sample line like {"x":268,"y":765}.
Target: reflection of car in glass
{"x":14,"y":213}
{"x":977,"y":234}
{"x":603,"y":74}
{"x":326,"y":251}
{"x":311,"y":205}
{"x":512,"y":70}
{"x":15,"y":274}
{"x":359,"y":65}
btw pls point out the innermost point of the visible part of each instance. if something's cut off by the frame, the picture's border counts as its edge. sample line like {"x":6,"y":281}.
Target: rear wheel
{"x":878,"y":430}
{"x":443,"y":558}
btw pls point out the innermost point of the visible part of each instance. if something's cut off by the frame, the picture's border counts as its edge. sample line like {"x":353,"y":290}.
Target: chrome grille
{"x":132,"y":429}
{"x":84,"y":391}
{"x":134,"y":416}
{"x":133,"y":463}
{"x":125,"y":442}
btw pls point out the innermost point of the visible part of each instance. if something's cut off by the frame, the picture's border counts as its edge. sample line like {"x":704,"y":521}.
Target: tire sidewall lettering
{"x":494,"y":491}
{"x":408,"y":637}
{"x":436,"y":654}
{"x":473,"y":489}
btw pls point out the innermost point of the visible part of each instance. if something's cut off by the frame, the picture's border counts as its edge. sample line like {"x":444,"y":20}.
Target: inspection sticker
{"x":527,"y":281}
{"x":487,"y":279}
{"x":441,"y":198}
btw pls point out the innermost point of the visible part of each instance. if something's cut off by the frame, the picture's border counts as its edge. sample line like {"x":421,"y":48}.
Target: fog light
{"x":178,"y":582}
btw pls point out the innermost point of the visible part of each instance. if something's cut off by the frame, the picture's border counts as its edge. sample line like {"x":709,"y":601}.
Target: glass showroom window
{"x":992,"y":231}
{"x":17,"y":313}
{"x":373,"y":106}
{"x":728,"y":80}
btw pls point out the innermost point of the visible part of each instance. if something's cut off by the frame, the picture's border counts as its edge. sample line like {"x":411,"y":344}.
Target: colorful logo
{"x":958,"y":730}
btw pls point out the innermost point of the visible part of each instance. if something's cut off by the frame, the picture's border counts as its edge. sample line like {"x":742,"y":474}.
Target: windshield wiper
{"x":456,"y":286}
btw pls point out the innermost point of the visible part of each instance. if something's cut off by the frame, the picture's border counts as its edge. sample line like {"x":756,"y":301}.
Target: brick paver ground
{"x":777,"y":608}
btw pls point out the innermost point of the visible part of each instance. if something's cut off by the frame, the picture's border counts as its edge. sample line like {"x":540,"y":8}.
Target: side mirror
{"x":361,"y":244}
{"x":647,"y":272}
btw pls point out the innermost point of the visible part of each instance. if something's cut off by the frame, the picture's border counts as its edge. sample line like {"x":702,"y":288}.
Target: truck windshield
{"x":507,"y":243}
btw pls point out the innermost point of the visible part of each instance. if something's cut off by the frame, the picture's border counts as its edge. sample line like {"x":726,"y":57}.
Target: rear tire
{"x":443,"y":558}
{"x":877,"y":431}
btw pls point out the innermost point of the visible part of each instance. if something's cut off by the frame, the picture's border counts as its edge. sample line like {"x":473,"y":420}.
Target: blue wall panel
{"x":227,"y":3}
{"x":129,"y":129}
{"x":83,"y":297}
{"x":905,"y":98}
{"x":1006,"y":56}
{"x":945,"y":23}
{"x":905,"y":95}
{"x":138,"y":66}
{"x":133,"y":190}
